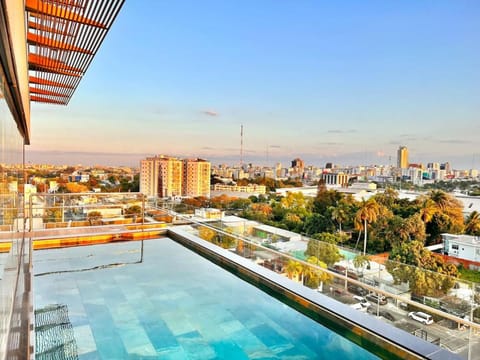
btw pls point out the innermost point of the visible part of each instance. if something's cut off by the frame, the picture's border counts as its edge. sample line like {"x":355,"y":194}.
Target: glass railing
{"x":15,"y":297}
{"x":80,"y":210}
{"x":448,"y":316}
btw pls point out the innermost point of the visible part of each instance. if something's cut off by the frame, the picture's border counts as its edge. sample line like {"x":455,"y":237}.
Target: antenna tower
{"x":241,"y":145}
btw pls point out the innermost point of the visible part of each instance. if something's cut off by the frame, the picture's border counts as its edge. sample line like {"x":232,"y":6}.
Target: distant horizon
{"x":133,"y":159}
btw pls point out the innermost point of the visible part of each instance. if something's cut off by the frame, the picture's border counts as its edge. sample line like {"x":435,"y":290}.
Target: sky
{"x":345,"y":81}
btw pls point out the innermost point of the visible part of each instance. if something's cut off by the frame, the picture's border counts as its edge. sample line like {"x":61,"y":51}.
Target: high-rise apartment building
{"x":298,"y":168}
{"x":402,"y":157}
{"x":196,"y":178}
{"x":161,"y":176}
{"x":164,"y":176}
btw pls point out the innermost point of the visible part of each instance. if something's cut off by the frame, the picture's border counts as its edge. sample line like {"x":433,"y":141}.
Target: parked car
{"x":357,"y":290}
{"x":387,"y":315}
{"x":362,"y":306}
{"x":376,"y":299}
{"x":421,"y":317}
{"x":362,"y":300}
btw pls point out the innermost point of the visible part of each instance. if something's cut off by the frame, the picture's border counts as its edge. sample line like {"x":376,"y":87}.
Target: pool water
{"x":173,"y":305}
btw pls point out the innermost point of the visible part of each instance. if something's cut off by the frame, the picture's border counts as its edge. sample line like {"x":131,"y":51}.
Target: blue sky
{"x":339,"y":81}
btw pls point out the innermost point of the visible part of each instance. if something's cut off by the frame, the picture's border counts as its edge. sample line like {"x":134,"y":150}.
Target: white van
{"x":421,"y":317}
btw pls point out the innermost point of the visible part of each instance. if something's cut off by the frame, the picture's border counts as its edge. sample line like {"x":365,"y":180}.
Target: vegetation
{"x":383,"y":223}
{"x":469,"y":275}
{"x":429,"y":275}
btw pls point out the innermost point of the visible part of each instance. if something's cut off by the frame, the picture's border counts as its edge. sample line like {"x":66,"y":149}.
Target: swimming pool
{"x":173,"y":305}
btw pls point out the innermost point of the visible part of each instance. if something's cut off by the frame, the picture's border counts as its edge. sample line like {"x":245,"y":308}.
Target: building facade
{"x":464,"y":247}
{"x":402,"y":157}
{"x":338,"y":179}
{"x":164,"y":176}
{"x":161,"y":176}
{"x":196,"y":178}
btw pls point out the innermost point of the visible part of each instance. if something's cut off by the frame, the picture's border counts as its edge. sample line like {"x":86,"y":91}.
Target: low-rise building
{"x":464,"y":247}
{"x":250,"y":188}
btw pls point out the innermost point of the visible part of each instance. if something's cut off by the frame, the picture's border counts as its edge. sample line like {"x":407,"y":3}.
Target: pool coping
{"x":378,"y":337}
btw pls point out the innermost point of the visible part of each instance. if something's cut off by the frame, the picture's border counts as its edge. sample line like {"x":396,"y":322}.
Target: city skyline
{"x":325,"y":82}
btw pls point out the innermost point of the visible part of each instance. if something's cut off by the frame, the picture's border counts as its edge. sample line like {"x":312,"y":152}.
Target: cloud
{"x":207,"y":148}
{"x":380,"y":153}
{"x":454,"y":141}
{"x":275,"y":146}
{"x":339,"y":131}
{"x":210,"y":113}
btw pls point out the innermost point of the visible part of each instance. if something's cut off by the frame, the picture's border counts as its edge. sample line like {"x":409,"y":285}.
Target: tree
{"x":133,"y":211}
{"x":325,"y":199}
{"x":329,"y":237}
{"x":427,"y":209}
{"x":73,"y":187}
{"x":51,"y":215}
{"x":293,"y":269}
{"x":313,"y":276}
{"x":448,"y":216}
{"x":472,"y":226}
{"x":388,"y":198}
{"x":93,"y":217}
{"x":426,"y":273}
{"x":325,"y":252}
{"x":317,"y":223}
{"x":367,"y":213}
{"x":340,"y":213}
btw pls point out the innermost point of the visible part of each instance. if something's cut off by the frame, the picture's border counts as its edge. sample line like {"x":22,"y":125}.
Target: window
{"x":454,"y":247}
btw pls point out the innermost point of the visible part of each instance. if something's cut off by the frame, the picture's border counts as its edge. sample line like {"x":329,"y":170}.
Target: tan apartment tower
{"x":196,"y":177}
{"x":402,"y":157}
{"x":161,"y":176}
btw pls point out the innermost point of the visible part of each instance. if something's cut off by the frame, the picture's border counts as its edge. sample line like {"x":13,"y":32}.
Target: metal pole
{"x":365,"y":238}
{"x":30,"y":215}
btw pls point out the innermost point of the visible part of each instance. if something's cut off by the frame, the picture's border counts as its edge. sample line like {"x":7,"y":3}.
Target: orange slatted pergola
{"x":63,"y":37}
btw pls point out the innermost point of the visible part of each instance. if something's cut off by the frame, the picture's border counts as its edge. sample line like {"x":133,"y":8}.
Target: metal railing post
{"x":30,"y":213}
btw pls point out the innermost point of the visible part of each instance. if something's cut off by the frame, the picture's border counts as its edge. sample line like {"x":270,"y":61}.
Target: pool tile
{"x":187,"y":309}
{"x":84,"y":338}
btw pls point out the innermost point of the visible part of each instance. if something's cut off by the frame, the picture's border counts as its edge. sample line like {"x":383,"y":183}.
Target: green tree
{"x":313,"y":275}
{"x":293,"y":269}
{"x":317,"y":223}
{"x":340,"y":213}
{"x":426,"y":273}
{"x":323,"y":251}
{"x":448,"y":215}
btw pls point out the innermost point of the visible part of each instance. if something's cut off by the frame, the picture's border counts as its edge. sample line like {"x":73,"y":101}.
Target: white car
{"x":362,"y":305}
{"x":421,"y":317}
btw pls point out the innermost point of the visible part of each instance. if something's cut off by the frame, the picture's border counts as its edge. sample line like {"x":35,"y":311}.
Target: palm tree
{"x":441,"y":199}
{"x":367,"y":213}
{"x":339,"y":214}
{"x":450,"y":206}
{"x":428,"y":208}
{"x":472,"y":226}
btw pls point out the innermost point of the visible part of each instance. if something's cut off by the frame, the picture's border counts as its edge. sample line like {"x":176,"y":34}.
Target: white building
{"x":464,"y":247}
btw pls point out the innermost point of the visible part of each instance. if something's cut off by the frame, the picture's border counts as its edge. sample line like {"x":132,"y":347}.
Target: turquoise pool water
{"x":173,"y":305}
